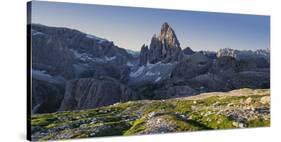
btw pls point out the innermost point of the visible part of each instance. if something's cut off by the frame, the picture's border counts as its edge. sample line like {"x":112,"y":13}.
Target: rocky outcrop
{"x":51,"y":55}
{"x":168,"y":38}
{"x":120,"y":73}
{"x":188,"y":51}
{"x":195,"y":65}
{"x":125,"y":74}
{"x":209,"y":54}
{"x":144,"y":55}
{"x":91,"y":93}
{"x":222,"y":74}
{"x":165,"y":47}
{"x":100,"y":69}
{"x":224,"y":66}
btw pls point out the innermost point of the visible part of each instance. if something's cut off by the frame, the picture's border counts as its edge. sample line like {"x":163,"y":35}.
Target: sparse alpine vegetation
{"x":240,"y":108}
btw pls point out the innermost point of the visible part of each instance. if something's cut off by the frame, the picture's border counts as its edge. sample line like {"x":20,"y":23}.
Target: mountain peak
{"x":163,"y":48}
{"x":168,"y":36}
{"x":165,"y":26}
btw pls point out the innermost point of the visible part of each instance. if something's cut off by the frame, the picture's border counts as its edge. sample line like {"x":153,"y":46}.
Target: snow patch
{"x":42,"y":73}
{"x":82,"y":56}
{"x":150,"y":66}
{"x":158,"y":79}
{"x":98,"y":60}
{"x":149,"y":73}
{"x":100,"y":40}
{"x":93,"y":37}
{"x":150,"y":69}
{"x":138,"y":72}
{"x":110,"y":58}
{"x":86,"y":57}
{"x":129,"y":64}
{"x":34,"y":33}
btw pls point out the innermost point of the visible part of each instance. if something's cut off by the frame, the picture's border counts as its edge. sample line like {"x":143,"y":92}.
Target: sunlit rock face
{"x":163,"y":48}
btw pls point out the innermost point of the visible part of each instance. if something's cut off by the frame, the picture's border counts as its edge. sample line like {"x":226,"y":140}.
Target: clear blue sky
{"x":131,"y":27}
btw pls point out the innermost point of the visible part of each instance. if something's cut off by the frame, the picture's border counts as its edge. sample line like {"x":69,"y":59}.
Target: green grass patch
{"x":137,"y":126}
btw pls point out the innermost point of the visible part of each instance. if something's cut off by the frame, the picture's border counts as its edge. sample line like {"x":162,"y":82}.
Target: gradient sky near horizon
{"x":131,"y":27}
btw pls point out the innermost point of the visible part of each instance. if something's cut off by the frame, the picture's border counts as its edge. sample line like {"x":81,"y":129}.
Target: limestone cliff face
{"x":91,"y":93}
{"x":144,"y":55}
{"x":67,"y":52}
{"x":46,"y":96}
{"x":165,"y":47}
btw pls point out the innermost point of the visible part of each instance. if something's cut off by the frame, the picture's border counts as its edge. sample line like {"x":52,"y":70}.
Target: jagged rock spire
{"x":163,"y":48}
{"x":167,"y":34}
{"x":144,"y":55}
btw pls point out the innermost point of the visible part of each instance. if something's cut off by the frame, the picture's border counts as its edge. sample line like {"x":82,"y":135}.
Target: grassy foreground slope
{"x":240,"y":108}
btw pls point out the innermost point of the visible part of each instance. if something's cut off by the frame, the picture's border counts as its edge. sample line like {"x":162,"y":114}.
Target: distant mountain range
{"x":245,"y":54}
{"x":73,"y":70}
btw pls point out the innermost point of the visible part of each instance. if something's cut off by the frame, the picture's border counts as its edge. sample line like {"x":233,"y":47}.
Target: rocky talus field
{"x":241,"y":108}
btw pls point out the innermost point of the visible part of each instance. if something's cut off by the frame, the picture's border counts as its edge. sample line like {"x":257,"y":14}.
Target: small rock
{"x":230,"y":104}
{"x":183,"y":116}
{"x":93,"y":121}
{"x":158,"y":121}
{"x":238,"y":125}
{"x":83,"y":126}
{"x":216,"y":104}
{"x":241,"y":101}
{"x":241,"y":125}
{"x":265,"y":100}
{"x":193,"y":107}
{"x":235,"y":124}
{"x":262,"y":110}
{"x":208,"y":113}
{"x":248,"y":100}
{"x":251,"y":108}
{"x":152,"y":114}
